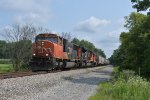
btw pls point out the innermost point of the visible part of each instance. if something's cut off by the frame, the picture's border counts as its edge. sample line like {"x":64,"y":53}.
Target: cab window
{"x":52,"y":39}
{"x":60,"y":41}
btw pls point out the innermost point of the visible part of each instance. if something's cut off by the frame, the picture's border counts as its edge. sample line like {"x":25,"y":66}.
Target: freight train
{"x":51,"y":51}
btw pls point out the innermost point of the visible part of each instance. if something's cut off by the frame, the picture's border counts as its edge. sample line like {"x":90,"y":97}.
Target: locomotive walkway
{"x":66,"y":85}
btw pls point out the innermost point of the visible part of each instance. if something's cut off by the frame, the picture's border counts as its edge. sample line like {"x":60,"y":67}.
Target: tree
{"x":141,"y":5}
{"x":134,"y":20}
{"x":4,"y":53}
{"x":135,"y":40}
{"x":76,"y":41}
{"x":99,"y":52}
{"x":134,"y":50}
{"x":20,"y":40}
{"x":89,"y":46}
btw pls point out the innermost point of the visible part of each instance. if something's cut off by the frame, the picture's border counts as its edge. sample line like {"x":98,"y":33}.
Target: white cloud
{"x":105,"y":38}
{"x":92,"y":24}
{"x":24,"y":11}
{"x":110,"y":41}
{"x":32,"y":17}
{"x":116,"y":33}
{"x":24,"y":5}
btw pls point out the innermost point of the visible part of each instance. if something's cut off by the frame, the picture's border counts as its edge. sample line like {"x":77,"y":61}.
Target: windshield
{"x":52,"y":39}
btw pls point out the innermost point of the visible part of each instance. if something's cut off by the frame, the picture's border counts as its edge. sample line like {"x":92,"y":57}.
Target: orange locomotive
{"x":52,"y":51}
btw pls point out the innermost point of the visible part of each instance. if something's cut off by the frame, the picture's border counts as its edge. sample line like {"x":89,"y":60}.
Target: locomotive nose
{"x":43,"y":49}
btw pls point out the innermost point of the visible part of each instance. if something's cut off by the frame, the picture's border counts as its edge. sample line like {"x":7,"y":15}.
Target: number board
{"x":52,"y":35}
{"x":47,"y":35}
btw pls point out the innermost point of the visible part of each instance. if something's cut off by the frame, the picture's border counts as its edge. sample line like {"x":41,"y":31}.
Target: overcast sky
{"x":98,"y":21}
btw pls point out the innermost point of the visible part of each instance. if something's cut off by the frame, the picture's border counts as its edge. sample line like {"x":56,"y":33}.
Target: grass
{"x":5,"y":61}
{"x":4,"y":68}
{"x":125,"y":86}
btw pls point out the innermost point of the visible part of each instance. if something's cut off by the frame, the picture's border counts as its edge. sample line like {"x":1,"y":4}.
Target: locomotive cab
{"x":47,"y":52}
{"x":48,"y":45}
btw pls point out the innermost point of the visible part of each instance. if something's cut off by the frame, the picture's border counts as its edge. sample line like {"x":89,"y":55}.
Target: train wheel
{"x":58,"y":67}
{"x":80,"y":64}
{"x":52,"y":64}
{"x":64,"y":65}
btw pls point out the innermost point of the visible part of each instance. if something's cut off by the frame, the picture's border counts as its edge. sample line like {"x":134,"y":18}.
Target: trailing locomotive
{"x":51,"y":51}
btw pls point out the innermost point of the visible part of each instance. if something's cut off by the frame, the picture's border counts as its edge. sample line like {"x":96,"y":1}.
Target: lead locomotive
{"x":51,"y":51}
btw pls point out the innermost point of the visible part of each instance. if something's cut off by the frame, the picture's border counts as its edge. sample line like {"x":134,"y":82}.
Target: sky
{"x":97,"y":21}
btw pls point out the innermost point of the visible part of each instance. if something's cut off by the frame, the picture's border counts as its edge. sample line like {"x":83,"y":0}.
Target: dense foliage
{"x":4,"y":51}
{"x":17,"y":46}
{"x":16,"y":52}
{"x":89,"y":46}
{"x":141,"y":5}
{"x":134,"y":50}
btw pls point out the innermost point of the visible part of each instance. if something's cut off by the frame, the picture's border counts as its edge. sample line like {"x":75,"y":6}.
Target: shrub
{"x":126,"y":86}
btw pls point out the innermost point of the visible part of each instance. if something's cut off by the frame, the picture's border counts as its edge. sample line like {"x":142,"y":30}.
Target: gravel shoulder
{"x":66,"y":85}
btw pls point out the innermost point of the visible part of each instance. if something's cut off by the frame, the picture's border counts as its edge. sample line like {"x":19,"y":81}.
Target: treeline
{"x":4,"y":51}
{"x":134,"y":51}
{"x":18,"y":44}
{"x":18,"y":53}
{"x":19,"y":40}
{"x":6,"y":54}
{"x":89,"y":46}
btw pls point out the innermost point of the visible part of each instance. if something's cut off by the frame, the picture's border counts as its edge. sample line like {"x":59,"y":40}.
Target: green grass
{"x":4,"y":68}
{"x":5,"y":61}
{"x":124,"y":88}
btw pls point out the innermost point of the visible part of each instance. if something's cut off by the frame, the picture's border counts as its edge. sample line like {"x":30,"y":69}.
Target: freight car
{"x":51,"y":51}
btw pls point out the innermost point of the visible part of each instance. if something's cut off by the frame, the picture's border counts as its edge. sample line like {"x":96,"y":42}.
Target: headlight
{"x":34,"y":54}
{"x":42,"y":43}
{"x":46,"y":54}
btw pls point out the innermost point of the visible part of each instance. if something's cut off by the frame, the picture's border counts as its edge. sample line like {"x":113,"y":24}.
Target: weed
{"x":125,"y":86}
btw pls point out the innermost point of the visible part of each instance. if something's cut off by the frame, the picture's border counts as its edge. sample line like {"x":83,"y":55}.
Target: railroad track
{"x":19,"y":74}
{"x":30,"y":73}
